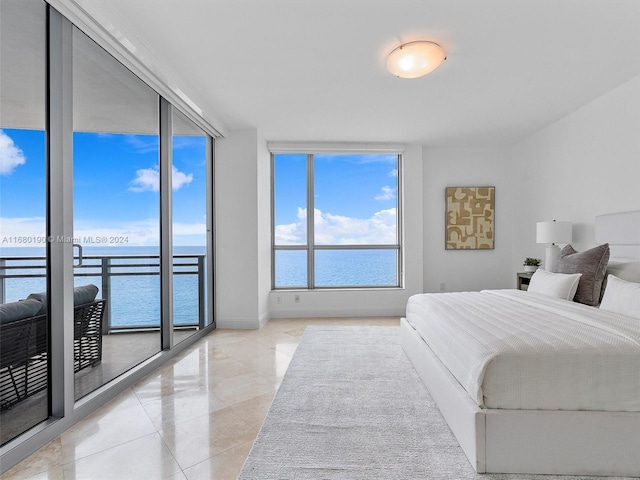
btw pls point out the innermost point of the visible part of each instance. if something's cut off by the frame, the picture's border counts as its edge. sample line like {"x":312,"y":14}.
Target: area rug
{"x":351,"y":406}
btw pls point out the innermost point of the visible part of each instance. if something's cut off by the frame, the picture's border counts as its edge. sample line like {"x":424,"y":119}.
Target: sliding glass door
{"x":116,"y":209}
{"x":24,"y":324}
{"x":190,"y":157}
{"x":106,"y":190}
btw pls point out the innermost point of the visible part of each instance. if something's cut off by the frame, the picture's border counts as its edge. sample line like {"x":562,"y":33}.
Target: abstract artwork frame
{"x":470,"y":218}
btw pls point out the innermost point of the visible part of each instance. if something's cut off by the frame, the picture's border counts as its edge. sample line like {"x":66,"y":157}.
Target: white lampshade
{"x":415,"y":59}
{"x":553,"y":232}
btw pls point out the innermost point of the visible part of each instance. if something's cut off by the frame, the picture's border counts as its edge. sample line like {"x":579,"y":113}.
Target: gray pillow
{"x":592,"y":264}
{"x":42,"y":298}
{"x":84,"y":294}
{"x":81,"y":295}
{"x":12,"y":311}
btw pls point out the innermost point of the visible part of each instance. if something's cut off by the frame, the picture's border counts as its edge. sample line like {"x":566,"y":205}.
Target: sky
{"x":355,"y":198}
{"x":116,"y":191}
{"x":115,"y":187}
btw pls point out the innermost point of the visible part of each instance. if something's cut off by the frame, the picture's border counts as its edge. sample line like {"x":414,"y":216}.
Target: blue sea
{"x":338,"y":268}
{"x":135,"y":289}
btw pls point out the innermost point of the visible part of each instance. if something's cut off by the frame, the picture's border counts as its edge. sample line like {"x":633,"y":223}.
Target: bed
{"x":533,"y":384}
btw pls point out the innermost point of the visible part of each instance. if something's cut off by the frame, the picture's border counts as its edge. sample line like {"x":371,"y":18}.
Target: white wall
{"x":377,"y":302}
{"x":238,"y":230}
{"x":264,"y":229}
{"x":243,"y":244}
{"x":465,"y":270}
{"x":584,"y":165}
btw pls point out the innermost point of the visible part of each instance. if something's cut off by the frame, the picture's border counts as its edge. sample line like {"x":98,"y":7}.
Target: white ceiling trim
{"x":334,"y":147}
{"x":125,"y":48}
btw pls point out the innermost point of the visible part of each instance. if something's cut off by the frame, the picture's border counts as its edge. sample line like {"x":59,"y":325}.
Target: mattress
{"x":511,"y":349}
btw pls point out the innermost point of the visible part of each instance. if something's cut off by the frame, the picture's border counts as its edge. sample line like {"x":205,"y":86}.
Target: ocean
{"x":338,"y":268}
{"x":134,"y":299}
{"x":135,"y":289}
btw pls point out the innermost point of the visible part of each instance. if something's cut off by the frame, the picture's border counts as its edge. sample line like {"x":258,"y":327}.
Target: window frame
{"x":311,"y":247}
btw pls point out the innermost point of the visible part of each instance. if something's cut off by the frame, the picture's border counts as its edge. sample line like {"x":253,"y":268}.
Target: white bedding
{"x":512,"y":349}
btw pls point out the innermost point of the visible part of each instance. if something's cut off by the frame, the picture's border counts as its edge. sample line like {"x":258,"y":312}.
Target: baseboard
{"x":245,"y":323}
{"x":264,"y":319}
{"x":239,"y":323}
{"x":339,"y":312}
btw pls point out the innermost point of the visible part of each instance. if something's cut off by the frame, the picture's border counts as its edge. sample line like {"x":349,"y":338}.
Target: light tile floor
{"x":194,"y":418}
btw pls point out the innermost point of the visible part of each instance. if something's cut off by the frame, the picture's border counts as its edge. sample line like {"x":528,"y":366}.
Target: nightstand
{"x":522,"y":280}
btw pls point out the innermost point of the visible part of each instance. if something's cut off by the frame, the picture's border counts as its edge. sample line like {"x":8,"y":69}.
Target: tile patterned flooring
{"x":194,"y":418}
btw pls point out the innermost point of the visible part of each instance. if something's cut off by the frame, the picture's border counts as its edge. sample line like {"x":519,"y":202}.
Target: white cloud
{"x":180,"y":179}
{"x":148,"y":180}
{"x":143,"y":143}
{"x":11,"y":156}
{"x":143,"y":232}
{"x":31,"y":232}
{"x":191,"y":141}
{"x":189,"y":234}
{"x":340,"y":230}
{"x":386,"y":193}
{"x":393,"y":173}
{"x":180,"y":229}
{"x":293,"y":233}
{"x":290,"y":234}
{"x":23,"y":231}
{"x":136,"y":233}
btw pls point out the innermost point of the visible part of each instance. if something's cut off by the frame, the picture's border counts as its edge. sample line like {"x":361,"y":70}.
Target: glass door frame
{"x":64,"y":410}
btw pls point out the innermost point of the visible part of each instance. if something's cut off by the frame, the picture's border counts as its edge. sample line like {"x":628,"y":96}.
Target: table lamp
{"x":552,"y":233}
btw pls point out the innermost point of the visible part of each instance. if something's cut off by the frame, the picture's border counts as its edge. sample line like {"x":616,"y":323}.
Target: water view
{"x":133,"y":275}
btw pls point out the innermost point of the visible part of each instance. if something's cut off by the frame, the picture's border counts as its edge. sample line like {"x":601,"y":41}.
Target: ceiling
{"x":301,"y":70}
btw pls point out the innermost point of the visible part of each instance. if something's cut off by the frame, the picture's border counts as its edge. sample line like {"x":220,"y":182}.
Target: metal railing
{"x":108,"y":267}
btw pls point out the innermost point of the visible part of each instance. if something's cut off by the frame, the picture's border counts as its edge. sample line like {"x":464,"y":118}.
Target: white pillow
{"x":622,"y":297}
{"x":561,"y":285}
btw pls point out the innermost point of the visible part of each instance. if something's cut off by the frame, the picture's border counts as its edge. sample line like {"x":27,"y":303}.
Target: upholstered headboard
{"x":622,"y":232}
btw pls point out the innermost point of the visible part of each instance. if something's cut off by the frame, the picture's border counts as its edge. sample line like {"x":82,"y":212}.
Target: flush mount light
{"x":415,"y":59}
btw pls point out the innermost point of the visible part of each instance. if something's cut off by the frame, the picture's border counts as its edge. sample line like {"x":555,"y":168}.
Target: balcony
{"x":117,"y":277}
{"x":130,"y":284}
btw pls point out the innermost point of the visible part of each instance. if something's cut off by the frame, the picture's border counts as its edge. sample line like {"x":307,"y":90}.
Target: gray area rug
{"x":351,"y":406}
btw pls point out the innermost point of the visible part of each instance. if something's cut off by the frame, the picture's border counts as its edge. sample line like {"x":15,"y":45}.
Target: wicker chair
{"x":87,"y":334}
{"x":23,"y":351}
{"x":23,"y":359}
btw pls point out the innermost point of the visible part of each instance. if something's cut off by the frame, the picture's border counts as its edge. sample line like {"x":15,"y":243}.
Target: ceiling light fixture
{"x":415,"y":59}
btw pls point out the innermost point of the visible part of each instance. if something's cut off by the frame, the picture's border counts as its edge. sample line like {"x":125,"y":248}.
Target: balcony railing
{"x":104,"y":269}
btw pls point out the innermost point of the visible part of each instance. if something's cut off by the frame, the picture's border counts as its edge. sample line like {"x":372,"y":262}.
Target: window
{"x":335,"y":220}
